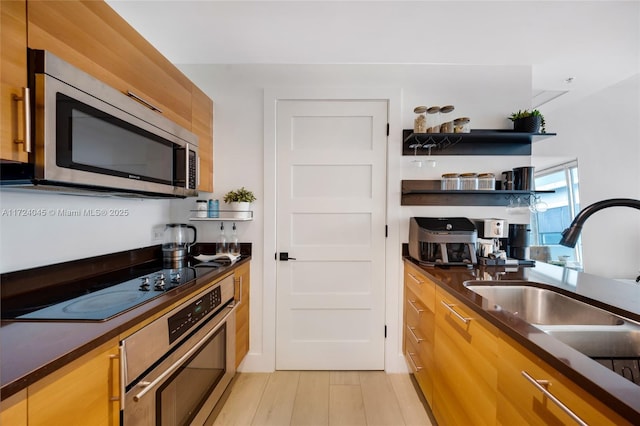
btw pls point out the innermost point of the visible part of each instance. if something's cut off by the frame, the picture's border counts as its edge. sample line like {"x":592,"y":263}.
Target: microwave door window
{"x":94,"y":141}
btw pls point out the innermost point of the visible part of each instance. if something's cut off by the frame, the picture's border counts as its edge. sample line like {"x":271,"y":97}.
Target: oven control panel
{"x":183,"y":320}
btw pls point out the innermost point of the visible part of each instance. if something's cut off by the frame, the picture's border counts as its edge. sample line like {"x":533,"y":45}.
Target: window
{"x":562,"y":206}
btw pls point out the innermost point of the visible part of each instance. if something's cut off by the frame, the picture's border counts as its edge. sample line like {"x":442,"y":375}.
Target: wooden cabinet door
{"x":520,"y":402}
{"x":243,"y":286}
{"x":84,"y":392}
{"x":13,"y":78}
{"x":93,"y":37}
{"x":466,"y":377}
{"x":13,"y":410}
{"x":202,"y":127}
{"x":419,"y":328}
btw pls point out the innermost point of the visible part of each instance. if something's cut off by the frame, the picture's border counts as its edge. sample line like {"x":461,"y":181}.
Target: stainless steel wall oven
{"x":175,"y":369}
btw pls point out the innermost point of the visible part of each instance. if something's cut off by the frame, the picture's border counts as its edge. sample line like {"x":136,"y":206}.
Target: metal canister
{"x":213,"y":208}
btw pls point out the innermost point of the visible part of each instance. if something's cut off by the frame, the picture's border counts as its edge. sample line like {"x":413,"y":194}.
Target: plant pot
{"x":240,"y":210}
{"x":527,"y":124}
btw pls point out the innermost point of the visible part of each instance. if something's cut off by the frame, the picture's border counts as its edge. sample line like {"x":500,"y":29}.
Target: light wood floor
{"x":316,"y":398}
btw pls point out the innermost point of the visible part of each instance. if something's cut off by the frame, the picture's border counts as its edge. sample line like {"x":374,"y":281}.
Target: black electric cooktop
{"x":102,"y":298}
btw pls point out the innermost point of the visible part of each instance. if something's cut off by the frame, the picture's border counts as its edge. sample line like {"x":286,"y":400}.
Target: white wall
{"x":603,"y":133}
{"x":486,"y":94}
{"x":38,"y":228}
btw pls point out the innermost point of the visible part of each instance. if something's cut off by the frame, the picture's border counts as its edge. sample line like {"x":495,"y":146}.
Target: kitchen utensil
{"x":176,"y":244}
{"x":523,"y":179}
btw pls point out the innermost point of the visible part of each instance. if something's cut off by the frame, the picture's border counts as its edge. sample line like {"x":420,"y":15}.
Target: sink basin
{"x":611,"y":340}
{"x":539,"y":306}
{"x":619,"y":342}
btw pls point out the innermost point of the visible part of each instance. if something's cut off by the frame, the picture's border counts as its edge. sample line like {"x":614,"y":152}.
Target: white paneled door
{"x":331,"y":186}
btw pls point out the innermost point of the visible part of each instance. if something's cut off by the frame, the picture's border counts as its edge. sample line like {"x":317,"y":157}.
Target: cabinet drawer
{"x":419,"y":319}
{"x":520,"y":401}
{"x":421,"y":286}
{"x":421,"y":367}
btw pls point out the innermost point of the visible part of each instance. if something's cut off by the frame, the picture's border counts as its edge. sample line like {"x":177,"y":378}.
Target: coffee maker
{"x":442,"y":241}
{"x":519,"y":241}
{"x":491,"y":233}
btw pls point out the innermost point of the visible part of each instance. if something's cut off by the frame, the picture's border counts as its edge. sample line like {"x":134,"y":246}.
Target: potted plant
{"x":528,"y":121}
{"x":239,"y":202}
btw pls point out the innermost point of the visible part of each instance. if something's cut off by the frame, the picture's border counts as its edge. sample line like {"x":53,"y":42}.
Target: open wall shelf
{"x":428,"y":193}
{"x":478,"y":142}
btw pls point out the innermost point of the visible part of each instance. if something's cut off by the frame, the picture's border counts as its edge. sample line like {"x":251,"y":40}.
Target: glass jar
{"x":469,"y":181}
{"x":487,"y":181}
{"x":420,"y":122}
{"x":433,"y":119}
{"x":461,"y":125}
{"x":446,"y":125}
{"x":450,"y":182}
{"x":201,"y":208}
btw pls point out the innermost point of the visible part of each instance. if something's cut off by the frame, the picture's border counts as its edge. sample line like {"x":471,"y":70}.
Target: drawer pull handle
{"x":415,"y":336}
{"x":416,"y":279}
{"x":453,"y":311}
{"x":413,"y":305}
{"x":143,"y":102}
{"x":413,"y":363}
{"x":540,"y":385}
{"x":26,"y":119}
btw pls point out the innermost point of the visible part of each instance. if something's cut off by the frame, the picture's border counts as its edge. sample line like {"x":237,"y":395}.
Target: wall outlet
{"x":157,"y":233}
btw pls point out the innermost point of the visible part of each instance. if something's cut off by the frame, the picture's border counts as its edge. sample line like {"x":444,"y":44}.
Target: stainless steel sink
{"x":539,"y":306}
{"x":605,"y":342}
{"x":612,"y":340}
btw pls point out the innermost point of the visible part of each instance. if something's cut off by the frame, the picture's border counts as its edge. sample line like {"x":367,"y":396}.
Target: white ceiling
{"x":597,"y":43}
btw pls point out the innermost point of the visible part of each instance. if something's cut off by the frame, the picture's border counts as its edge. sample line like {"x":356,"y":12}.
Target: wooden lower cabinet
{"x":466,"y":374}
{"x":13,"y":410}
{"x":419,"y":326}
{"x":84,"y":392}
{"x":472,"y":373}
{"x":520,"y":402}
{"x":243,"y":286}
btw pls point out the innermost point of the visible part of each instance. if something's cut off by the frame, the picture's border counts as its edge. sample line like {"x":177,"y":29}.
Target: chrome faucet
{"x":571,"y":234}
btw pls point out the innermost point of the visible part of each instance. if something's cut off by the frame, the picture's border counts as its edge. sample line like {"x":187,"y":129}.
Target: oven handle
{"x":150,"y":385}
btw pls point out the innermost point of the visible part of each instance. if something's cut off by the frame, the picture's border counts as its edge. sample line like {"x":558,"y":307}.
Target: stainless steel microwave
{"x":91,"y":137}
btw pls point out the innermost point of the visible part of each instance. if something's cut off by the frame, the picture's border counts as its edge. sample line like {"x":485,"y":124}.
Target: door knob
{"x":284,"y":256}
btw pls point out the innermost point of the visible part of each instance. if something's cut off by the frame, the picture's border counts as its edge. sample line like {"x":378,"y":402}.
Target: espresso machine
{"x":442,"y":241}
{"x":491,"y":236}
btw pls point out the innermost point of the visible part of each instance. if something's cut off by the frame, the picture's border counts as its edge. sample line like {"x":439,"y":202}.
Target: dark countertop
{"x":30,"y":350}
{"x":622,"y":298}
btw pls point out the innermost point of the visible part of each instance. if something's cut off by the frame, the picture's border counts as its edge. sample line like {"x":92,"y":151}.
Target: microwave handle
{"x":26,"y":125}
{"x":148,"y":386}
{"x":143,"y":101}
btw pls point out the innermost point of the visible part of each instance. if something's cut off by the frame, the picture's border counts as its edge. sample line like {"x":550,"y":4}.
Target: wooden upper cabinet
{"x":13,"y":76}
{"x":93,"y":37}
{"x":202,"y":116}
